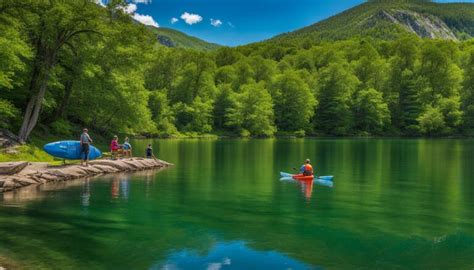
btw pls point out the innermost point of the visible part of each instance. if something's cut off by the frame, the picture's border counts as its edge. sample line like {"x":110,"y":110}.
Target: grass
{"x":30,"y":153}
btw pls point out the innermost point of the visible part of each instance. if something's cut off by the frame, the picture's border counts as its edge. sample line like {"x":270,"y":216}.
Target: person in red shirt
{"x":114,"y":147}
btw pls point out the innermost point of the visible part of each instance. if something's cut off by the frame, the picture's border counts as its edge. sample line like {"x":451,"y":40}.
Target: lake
{"x":395,"y":204}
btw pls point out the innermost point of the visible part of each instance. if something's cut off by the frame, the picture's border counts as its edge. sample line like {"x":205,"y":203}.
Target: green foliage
{"x":371,"y":114}
{"x":225,"y":99}
{"x":252,"y":112}
{"x":390,"y":20}
{"x":195,"y":117}
{"x":112,"y":77}
{"x":337,"y":84}
{"x":61,"y":127}
{"x":294,"y":102}
{"x":467,"y":93}
{"x":162,"y":114}
{"x":432,"y":121}
{"x":8,"y":112}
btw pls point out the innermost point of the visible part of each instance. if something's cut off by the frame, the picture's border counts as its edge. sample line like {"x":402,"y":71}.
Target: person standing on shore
{"x":85,"y":142}
{"x":149,"y":152}
{"x":127,"y":148}
{"x":114,"y":147}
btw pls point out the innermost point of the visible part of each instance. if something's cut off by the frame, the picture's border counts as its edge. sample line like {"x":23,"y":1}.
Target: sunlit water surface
{"x":395,"y":204}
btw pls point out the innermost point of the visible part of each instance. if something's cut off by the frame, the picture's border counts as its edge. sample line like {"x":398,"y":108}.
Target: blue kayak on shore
{"x":70,"y":150}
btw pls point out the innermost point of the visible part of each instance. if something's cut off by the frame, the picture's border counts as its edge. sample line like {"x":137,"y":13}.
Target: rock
{"x":24,"y":181}
{"x":131,"y":163}
{"x":8,"y":139}
{"x":8,"y":184}
{"x":39,"y":173}
{"x":113,"y":163}
{"x":91,"y":170}
{"x":12,"y":167}
{"x":49,"y":177}
{"x":105,"y":168}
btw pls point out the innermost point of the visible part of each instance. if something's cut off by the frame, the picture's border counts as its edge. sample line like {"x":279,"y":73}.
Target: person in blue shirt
{"x":127,"y":148}
{"x":85,"y":142}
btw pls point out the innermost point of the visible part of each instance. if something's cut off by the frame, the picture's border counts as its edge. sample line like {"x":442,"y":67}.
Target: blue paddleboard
{"x":70,"y":150}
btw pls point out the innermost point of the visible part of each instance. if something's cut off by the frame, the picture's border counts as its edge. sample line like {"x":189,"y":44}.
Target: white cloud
{"x":230,"y":24}
{"x":214,"y":266}
{"x":130,"y":8}
{"x":174,"y":20}
{"x":100,"y":3}
{"x":142,"y":1}
{"x":216,"y":22}
{"x":190,"y":18}
{"x":145,"y":19}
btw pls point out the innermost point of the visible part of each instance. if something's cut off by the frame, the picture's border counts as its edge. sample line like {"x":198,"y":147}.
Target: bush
{"x":61,"y":127}
{"x":8,"y":112}
{"x":300,"y":133}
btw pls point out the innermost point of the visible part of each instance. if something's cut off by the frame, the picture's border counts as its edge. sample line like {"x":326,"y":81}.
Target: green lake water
{"x":395,"y":204}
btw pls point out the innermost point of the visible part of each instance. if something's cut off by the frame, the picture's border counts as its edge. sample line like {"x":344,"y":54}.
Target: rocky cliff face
{"x":166,"y":41}
{"x":425,"y":26}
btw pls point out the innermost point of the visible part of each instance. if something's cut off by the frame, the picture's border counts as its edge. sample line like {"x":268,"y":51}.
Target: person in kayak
{"x":85,"y":142}
{"x":306,"y":169}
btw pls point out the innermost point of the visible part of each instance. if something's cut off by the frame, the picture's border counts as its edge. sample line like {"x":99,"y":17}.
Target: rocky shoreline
{"x":40,"y":173}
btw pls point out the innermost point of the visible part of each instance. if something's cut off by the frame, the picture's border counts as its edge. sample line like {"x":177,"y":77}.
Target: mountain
{"x":388,"y":19}
{"x":176,"y":39}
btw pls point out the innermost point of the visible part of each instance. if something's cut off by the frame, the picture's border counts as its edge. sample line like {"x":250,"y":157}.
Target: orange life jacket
{"x":308,"y":168}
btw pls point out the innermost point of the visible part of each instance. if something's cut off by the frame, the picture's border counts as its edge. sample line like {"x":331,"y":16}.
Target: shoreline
{"x":218,"y":137}
{"x":38,"y":173}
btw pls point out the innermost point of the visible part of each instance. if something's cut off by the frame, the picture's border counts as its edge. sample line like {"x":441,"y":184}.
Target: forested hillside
{"x":175,"y":39}
{"x":69,"y":64}
{"x":390,"y":19}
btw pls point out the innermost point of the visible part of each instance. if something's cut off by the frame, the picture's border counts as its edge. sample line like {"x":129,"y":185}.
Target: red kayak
{"x":303,"y":177}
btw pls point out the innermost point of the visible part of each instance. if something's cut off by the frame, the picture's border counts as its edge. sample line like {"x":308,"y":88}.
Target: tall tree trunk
{"x":36,"y":101}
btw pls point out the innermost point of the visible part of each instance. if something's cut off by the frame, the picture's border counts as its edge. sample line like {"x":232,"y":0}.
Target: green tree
{"x":336,"y":86}
{"x":371,"y":114}
{"x":161,"y":113}
{"x":225,"y":100}
{"x":432,"y":122}
{"x":369,"y":67}
{"x":195,"y":117}
{"x":14,"y":50}
{"x":54,"y":26}
{"x":294,"y":102}
{"x":253,"y":112}
{"x":468,"y":93}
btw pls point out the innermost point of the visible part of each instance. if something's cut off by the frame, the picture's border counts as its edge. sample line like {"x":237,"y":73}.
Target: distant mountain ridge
{"x":175,"y":39}
{"x":388,"y":19}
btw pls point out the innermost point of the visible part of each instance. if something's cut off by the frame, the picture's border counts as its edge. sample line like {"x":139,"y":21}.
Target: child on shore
{"x":127,"y":148}
{"x":149,"y":152}
{"x":114,"y":147}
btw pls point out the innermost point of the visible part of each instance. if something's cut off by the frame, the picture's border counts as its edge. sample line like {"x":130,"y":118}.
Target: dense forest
{"x":72,"y":63}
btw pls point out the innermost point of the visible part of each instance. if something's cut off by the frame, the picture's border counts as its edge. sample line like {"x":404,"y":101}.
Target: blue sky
{"x":237,"y":22}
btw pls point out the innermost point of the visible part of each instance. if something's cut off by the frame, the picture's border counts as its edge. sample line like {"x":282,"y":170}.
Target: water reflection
{"x":307,"y":186}
{"x":230,"y":255}
{"x":86,"y":193}
{"x":119,"y":187}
